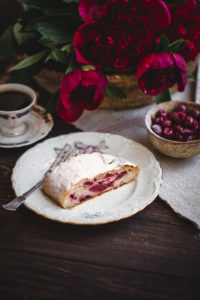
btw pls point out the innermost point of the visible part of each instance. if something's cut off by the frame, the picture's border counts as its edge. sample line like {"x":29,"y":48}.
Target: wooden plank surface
{"x":152,"y":255}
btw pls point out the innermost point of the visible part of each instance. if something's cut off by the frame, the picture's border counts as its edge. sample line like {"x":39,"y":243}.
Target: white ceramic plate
{"x":111,"y":206}
{"x":38,"y":125}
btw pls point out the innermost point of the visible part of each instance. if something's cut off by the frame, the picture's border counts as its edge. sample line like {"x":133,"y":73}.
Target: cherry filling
{"x":120,"y":175}
{"x":85,"y":198}
{"x":109,"y":175}
{"x":100,"y":187}
{"x":96,"y":186}
{"x":88,"y":183}
{"x":104,"y":184}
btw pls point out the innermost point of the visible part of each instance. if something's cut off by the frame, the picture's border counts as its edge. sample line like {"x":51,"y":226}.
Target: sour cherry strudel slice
{"x":86,"y":176}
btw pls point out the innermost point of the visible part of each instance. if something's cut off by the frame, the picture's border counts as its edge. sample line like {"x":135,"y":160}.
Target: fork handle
{"x":15,"y":203}
{"x":27,"y":193}
{"x":18,"y":201}
{"x":56,"y":162}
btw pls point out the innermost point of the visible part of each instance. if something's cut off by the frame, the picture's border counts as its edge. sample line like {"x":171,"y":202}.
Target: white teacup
{"x":13,"y":123}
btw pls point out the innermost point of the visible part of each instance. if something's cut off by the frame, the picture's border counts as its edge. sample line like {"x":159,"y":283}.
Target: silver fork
{"x":15,"y":203}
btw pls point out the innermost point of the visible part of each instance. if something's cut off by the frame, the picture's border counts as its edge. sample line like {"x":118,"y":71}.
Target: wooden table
{"x":152,"y":255}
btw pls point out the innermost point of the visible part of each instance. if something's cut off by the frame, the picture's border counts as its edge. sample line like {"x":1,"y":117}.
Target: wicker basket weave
{"x":134,"y":95}
{"x":50,"y":80}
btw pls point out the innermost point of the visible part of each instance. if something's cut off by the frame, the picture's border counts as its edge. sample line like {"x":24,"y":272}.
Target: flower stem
{"x":163,"y":97}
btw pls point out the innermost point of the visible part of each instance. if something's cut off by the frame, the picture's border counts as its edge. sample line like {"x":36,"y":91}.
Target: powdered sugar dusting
{"x":82,"y":166}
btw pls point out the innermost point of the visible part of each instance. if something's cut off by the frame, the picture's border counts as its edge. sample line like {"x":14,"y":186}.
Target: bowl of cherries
{"x":174,"y":128}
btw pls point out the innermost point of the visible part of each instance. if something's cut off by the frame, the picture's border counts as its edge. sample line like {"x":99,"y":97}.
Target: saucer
{"x":38,"y":125}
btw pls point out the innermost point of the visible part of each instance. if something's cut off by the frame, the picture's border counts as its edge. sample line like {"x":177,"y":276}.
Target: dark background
{"x":152,"y":255}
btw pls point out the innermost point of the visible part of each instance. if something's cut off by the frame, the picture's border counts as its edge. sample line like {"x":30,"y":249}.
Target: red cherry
{"x":179,"y":117}
{"x":170,"y":116}
{"x":198,"y":136}
{"x":181,"y":107}
{"x":187,"y":132}
{"x":189,"y":138}
{"x":195,"y":137}
{"x":157,"y":129}
{"x":161,"y":113}
{"x":195,"y":113}
{"x":180,"y":129}
{"x":179,"y":136}
{"x":167,"y":123}
{"x":196,"y":129}
{"x":190,"y":122}
{"x":159,"y":120}
{"x":168,"y":133}
{"x":153,"y":119}
{"x":195,"y":124}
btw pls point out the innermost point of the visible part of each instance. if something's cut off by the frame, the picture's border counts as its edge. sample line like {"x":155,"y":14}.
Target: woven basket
{"x":134,"y":95}
{"x":50,"y":80}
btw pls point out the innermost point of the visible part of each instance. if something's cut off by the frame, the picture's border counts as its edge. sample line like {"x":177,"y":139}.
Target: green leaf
{"x":49,"y":57}
{"x":8,"y":44}
{"x":163,"y":97}
{"x":190,"y":78}
{"x":163,"y":43}
{"x":60,"y":56}
{"x":58,"y":31}
{"x":32,"y":3}
{"x":72,"y":66}
{"x":68,"y":48}
{"x":48,"y":6}
{"x":27,"y":74}
{"x":21,"y":37}
{"x":31,"y":15}
{"x":70,"y":1}
{"x":51,"y":106}
{"x":31,"y":60}
{"x":115,"y":92}
{"x":47,"y":42}
{"x":29,"y":47}
{"x":88,"y":67}
{"x":176,"y":46}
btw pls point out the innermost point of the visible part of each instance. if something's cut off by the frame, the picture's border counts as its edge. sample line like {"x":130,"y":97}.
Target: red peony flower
{"x":78,"y":90}
{"x":186,"y":25}
{"x":160,"y":71}
{"x":99,"y":44}
{"x":120,"y":32}
{"x":153,"y":12}
{"x":91,"y":10}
